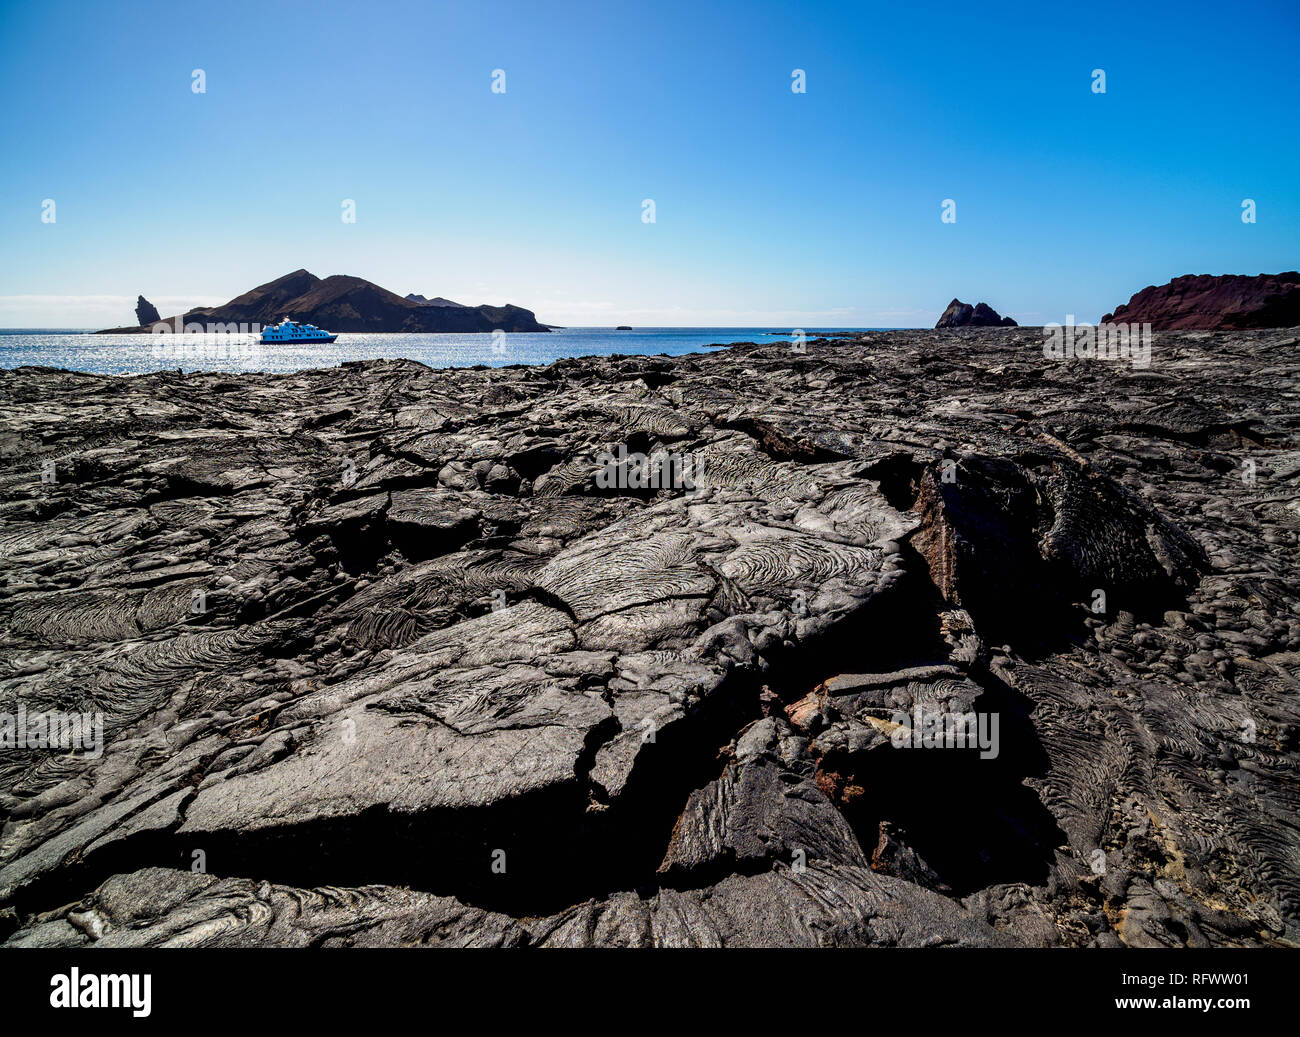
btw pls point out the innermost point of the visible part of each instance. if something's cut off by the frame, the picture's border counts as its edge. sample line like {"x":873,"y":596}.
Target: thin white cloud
{"x":98,"y":311}
{"x":103,"y":311}
{"x":600,"y":312}
{"x":8,"y":302}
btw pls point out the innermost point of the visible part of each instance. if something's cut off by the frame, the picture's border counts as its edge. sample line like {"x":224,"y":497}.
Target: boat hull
{"x":297,"y":341}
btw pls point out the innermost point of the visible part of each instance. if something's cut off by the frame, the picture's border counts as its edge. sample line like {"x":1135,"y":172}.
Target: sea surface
{"x":75,"y":350}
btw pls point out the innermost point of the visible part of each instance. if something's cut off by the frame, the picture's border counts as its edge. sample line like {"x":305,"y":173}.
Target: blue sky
{"x":772,"y":208}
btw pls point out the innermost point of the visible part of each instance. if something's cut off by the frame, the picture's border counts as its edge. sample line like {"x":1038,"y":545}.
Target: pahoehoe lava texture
{"x":383,"y":658}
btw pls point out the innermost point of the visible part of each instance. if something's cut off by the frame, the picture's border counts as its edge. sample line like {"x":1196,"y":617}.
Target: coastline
{"x":231,"y":353}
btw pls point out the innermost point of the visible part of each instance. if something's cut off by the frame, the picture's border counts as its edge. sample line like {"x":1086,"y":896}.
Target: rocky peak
{"x":146,"y":312}
{"x":420,"y":300}
{"x":963,"y":315}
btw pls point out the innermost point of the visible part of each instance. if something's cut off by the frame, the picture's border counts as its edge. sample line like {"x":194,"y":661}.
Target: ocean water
{"x":139,"y":354}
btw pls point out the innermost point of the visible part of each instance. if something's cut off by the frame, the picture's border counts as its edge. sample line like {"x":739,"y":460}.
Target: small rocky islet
{"x":386,"y":656}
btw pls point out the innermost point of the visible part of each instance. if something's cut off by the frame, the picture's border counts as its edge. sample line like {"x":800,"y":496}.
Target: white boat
{"x":291,"y":331}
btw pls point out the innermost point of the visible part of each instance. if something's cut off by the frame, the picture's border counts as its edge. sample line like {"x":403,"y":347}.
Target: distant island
{"x":344,"y":304}
{"x":1212,"y":302}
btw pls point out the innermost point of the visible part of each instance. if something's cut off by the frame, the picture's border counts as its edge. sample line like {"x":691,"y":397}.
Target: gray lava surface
{"x":393,"y":656}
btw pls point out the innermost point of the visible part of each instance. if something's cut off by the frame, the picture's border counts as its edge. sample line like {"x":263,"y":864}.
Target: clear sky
{"x":771,"y":207}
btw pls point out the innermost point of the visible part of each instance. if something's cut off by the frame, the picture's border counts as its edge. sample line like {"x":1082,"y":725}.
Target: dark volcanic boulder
{"x":1014,"y":539}
{"x":963,"y":315}
{"x":146,"y":312}
{"x":1226,"y":302}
